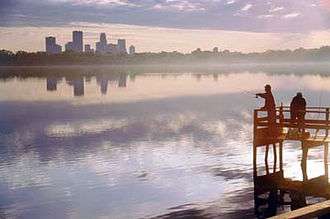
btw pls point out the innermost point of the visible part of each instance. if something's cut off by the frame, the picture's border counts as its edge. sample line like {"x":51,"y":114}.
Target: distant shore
{"x":297,"y":68}
{"x":195,"y":58}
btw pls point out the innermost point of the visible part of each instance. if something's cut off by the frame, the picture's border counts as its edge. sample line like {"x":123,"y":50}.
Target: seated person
{"x":298,"y":110}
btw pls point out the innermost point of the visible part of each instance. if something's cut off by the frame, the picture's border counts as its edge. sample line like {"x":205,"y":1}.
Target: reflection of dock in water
{"x":272,"y":189}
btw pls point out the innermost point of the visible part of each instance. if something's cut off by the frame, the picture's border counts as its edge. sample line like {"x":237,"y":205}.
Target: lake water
{"x":86,"y":144}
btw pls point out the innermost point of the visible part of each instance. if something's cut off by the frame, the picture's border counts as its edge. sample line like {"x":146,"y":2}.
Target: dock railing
{"x":316,"y":119}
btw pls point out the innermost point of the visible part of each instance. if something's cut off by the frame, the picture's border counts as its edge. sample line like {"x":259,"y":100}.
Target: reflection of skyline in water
{"x":78,"y":83}
{"x":186,"y":142}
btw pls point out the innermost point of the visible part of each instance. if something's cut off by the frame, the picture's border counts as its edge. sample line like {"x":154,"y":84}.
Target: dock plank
{"x":312,"y":211}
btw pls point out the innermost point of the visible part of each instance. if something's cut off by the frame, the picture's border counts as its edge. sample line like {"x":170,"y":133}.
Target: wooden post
{"x":281,"y":119}
{"x":327,"y":119}
{"x":304,"y":160}
{"x":281,"y":155}
{"x":326,"y":150}
{"x":275,"y":157}
{"x":255,"y":117}
{"x":266,"y":159}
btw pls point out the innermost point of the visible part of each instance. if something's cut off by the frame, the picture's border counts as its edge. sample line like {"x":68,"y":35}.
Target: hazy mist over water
{"x":92,"y":144}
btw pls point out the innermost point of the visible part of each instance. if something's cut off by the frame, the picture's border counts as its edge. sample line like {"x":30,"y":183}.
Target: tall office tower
{"x":103,"y":39}
{"x":102,"y":45}
{"x":132,"y":50}
{"x":77,"y":41}
{"x":51,"y":46}
{"x":122,"y":46}
{"x":50,"y":42}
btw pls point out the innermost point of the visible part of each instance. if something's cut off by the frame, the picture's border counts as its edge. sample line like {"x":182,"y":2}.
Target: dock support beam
{"x":275,"y":157}
{"x":254,"y":160}
{"x":326,"y":150}
{"x":304,"y":160}
{"x":281,"y":155}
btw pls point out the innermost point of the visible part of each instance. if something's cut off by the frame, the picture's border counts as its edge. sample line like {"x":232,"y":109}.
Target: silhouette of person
{"x":298,"y":110}
{"x":269,"y":107}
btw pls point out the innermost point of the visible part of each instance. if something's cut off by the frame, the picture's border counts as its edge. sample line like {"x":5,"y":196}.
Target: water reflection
{"x":103,"y":83}
{"x":78,"y":82}
{"x":156,"y":144}
{"x":78,"y":85}
{"x":52,"y":83}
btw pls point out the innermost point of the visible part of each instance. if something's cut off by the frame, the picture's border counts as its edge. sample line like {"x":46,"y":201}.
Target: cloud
{"x":238,"y":15}
{"x":246,"y":7}
{"x":276,"y":9}
{"x":98,"y":2}
{"x":229,"y":2}
{"x":291,"y":15}
{"x":179,"y":6}
{"x":265,"y":16}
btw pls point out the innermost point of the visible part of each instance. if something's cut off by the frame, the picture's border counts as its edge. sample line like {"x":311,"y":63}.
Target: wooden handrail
{"x":312,"y":211}
{"x":284,"y":120}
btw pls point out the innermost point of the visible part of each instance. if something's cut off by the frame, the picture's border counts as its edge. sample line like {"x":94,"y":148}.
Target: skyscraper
{"x":122,"y":46}
{"x":102,"y":45}
{"x":51,"y":46}
{"x":132,"y":50}
{"x":77,"y":41}
{"x":103,"y":39}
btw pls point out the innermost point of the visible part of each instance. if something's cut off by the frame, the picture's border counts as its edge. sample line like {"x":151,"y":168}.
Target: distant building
{"x":215,"y":49}
{"x":197,"y":51}
{"x":51,"y":46}
{"x":102,"y":45}
{"x":77,"y":41}
{"x":88,"y":49}
{"x":113,"y":48}
{"x":132,"y":50}
{"x":69,"y":47}
{"x":122,"y":46}
{"x":103,"y":39}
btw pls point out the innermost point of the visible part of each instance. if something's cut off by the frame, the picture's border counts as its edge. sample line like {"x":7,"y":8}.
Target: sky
{"x":182,"y":25}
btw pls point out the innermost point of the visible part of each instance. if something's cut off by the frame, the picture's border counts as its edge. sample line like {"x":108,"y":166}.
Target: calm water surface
{"x":132,"y":146}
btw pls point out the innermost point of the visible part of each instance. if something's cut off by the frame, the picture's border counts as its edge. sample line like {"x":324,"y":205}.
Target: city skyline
{"x":148,"y":39}
{"x":77,"y":45}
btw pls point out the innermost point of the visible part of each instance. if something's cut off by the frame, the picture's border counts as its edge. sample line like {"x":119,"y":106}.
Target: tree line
{"x":321,"y":54}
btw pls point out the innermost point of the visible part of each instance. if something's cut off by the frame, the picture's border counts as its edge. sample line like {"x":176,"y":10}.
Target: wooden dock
{"x":271,"y":187}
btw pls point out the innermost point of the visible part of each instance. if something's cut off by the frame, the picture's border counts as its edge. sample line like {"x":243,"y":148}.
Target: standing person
{"x":298,"y":110}
{"x":269,"y":107}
